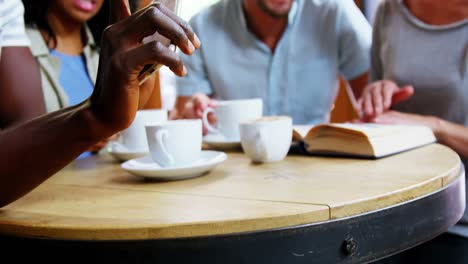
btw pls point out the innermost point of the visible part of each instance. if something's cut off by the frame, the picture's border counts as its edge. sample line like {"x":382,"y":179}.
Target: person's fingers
{"x":200,"y":102}
{"x":403,"y":94}
{"x":377,"y":99}
{"x":173,"y":114}
{"x":212,"y":118}
{"x":360,"y":104}
{"x":212,"y":103}
{"x":368,"y":106}
{"x":119,"y":10}
{"x":184,"y":25}
{"x":384,"y":119}
{"x":188,"y":111}
{"x":389,"y":88}
{"x":152,"y":19}
{"x":153,"y":52}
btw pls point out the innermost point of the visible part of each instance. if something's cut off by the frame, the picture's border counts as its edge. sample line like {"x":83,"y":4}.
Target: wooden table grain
{"x":94,"y":199}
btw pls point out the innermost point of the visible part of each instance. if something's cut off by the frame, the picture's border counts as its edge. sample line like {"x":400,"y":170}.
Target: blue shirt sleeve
{"x":196,"y":80}
{"x":354,"y":40}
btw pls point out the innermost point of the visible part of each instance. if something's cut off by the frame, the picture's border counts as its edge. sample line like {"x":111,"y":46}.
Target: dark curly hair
{"x":35,"y":15}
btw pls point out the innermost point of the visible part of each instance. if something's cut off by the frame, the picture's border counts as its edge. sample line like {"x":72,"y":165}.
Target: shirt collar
{"x":40,"y":48}
{"x":293,"y":12}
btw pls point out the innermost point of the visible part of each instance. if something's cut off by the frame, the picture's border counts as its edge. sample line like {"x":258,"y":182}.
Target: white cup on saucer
{"x":133,"y":139}
{"x":267,"y":139}
{"x":175,"y":143}
{"x":229,"y":114}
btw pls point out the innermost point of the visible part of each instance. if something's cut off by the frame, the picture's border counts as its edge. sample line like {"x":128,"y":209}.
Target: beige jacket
{"x":54,"y":95}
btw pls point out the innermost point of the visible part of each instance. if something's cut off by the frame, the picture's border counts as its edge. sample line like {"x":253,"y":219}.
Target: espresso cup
{"x":175,"y":143}
{"x":267,"y":139}
{"x":134,"y":137}
{"x":229,"y":114}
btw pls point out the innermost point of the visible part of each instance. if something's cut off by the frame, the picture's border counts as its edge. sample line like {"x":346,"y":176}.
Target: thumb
{"x":119,"y":9}
{"x":403,"y":94}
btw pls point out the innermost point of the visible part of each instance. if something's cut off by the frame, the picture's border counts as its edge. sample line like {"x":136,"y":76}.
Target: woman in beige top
{"x":61,"y":40}
{"x":65,"y":49}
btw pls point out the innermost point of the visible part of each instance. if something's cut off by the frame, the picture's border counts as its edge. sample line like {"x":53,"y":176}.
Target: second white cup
{"x":229,"y":114}
{"x":134,"y":137}
{"x":267,"y":139}
{"x":175,"y":143}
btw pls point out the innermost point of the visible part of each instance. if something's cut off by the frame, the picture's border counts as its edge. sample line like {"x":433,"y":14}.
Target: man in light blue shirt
{"x":288,"y":52}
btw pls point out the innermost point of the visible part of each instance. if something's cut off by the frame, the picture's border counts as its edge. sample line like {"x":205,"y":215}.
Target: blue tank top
{"x":74,"y":79}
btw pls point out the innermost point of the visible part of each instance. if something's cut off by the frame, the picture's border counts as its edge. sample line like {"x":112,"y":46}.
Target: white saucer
{"x":219,"y":142}
{"x":146,"y":167}
{"x":123,"y":154}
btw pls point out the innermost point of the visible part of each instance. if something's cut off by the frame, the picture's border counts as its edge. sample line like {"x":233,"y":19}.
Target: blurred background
{"x":188,"y":8}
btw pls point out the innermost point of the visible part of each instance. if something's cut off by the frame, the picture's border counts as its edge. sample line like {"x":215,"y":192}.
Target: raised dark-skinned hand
{"x":50,"y":142}
{"x":118,"y":95}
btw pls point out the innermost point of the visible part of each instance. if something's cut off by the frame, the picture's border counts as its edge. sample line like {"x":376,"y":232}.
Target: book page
{"x":364,"y":139}
{"x":300,"y":131}
{"x":373,"y":130}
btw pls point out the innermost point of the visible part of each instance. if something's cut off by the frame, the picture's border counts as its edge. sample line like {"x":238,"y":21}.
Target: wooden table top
{"x":94,"y":199}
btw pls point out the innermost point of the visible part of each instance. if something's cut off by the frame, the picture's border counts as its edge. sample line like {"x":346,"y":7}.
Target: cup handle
{"x":206,"y":123}
{"x":260,"y":143}
{"x":161,"y":136}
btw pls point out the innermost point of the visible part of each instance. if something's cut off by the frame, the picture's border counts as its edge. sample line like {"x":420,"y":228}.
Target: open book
{"x":364,"y":140}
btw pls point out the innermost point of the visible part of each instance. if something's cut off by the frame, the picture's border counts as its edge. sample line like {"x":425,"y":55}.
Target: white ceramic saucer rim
{"x":216,"y":159}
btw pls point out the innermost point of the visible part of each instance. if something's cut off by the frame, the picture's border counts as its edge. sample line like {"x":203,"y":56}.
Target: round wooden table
{"x":301,"y":210}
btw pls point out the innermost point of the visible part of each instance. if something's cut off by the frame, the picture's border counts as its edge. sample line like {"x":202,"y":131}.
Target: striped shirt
{"x":12,"y":32}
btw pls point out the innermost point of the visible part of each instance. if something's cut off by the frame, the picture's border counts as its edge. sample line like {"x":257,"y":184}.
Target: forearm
{"x":452,"y":135}
{"x":33,"y":151}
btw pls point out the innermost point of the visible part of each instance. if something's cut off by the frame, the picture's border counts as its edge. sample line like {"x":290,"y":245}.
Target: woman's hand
{"x":379,"y":96}
{"x":395,"y":117}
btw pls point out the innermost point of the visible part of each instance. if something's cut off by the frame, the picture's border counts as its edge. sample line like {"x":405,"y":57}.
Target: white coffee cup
{"x":175,"y":143}
{"x":229,"y":114}
{"x":267,"y":139}
{"x":134,"y":137}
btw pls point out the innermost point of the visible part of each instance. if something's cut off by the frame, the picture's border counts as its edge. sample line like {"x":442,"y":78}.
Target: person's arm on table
{"x":33,"y":151}
{"x":448,"y":133}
